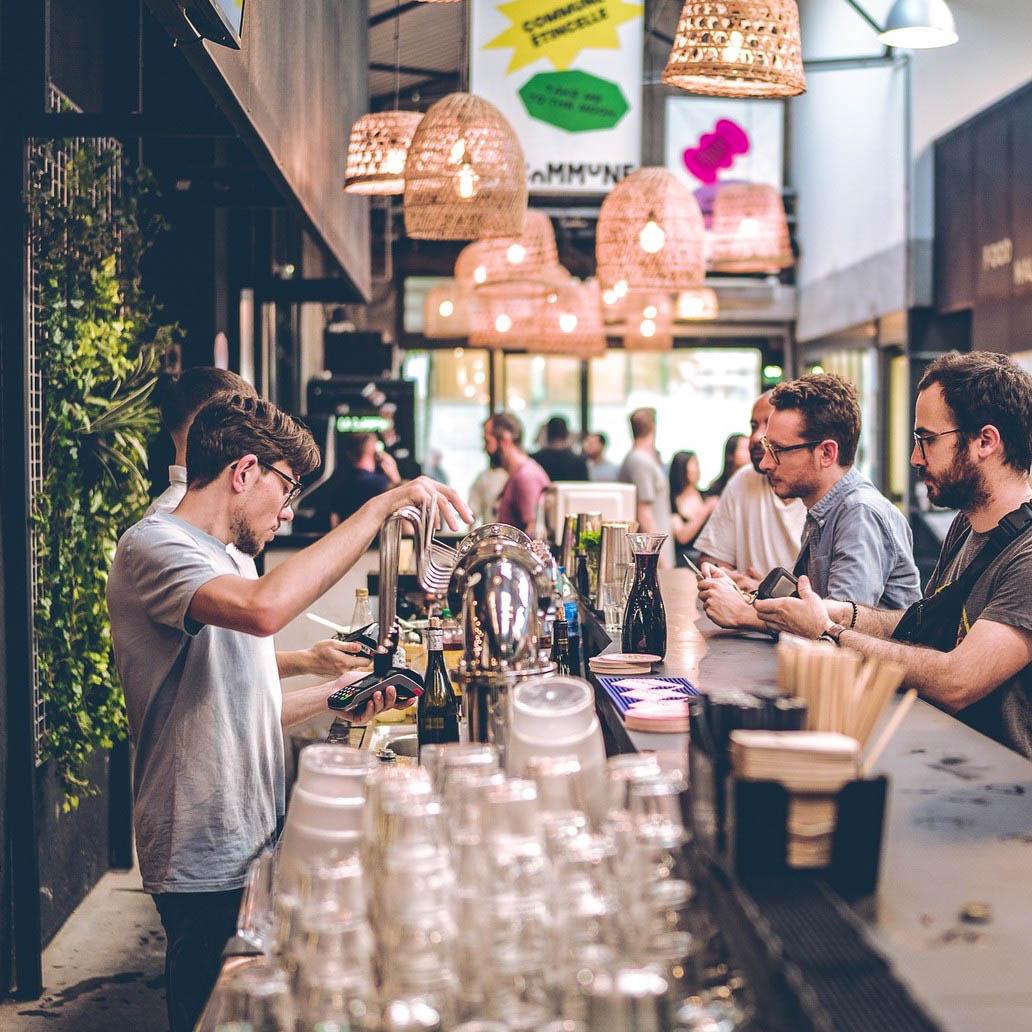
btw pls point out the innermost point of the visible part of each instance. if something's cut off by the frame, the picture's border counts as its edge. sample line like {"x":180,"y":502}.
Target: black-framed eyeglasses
{"x":296,"y":487}
{"x":922,"y":439}
{"x":776,"y":451}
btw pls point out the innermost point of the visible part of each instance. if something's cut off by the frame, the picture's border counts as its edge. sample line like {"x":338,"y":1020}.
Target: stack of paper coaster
{"x":616,"y":663}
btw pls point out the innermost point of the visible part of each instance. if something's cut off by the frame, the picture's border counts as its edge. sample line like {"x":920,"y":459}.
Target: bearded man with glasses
{"x":856,"y":546}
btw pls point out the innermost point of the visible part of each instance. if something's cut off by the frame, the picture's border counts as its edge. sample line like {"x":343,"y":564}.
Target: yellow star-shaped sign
{"x":559,"y":30}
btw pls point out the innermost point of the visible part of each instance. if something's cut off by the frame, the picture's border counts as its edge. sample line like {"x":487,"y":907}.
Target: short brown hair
{"x":829,"y":408}
{"x":985,"y":388}
{"x":643,"y":422}
{"x":193,"y":389}
{"x":232,"y":426}
{"x":507,"y":423}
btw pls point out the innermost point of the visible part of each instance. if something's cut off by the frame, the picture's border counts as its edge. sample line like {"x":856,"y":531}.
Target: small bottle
{"x":583,"y":577}
{"x":437,"y":713}
{"x":573,"y":629}
{"x":561,"y":646}
{"x":362,"y":615}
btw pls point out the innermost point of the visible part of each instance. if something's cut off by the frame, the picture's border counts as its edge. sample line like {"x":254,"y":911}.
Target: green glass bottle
{"x":437,"y":712}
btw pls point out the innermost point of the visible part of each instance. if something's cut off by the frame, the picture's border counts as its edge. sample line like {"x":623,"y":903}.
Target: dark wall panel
{"x":954,"y":230}
{"x":992,"y":212}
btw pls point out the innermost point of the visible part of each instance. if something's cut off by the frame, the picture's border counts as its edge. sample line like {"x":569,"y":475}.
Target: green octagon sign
{"x":574,"y":101}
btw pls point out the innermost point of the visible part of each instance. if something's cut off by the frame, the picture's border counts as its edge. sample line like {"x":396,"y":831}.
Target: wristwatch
{"x":832,"y":633}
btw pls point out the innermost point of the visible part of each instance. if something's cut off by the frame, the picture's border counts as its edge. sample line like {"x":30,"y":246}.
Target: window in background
{"x":860,"y":367}
{"x":537,"y":387}
{"x":701,"y":396}
{"x":451,"y":406}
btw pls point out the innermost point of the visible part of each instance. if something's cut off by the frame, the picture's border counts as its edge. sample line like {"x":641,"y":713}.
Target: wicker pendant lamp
{"x":571,"y":324}
{"x":650,"y":235}
{"x":737,"y":48}
{"x":377,"y":151}
{"x":505,"y":320}
{"x":465,"y":177}
{"x":750,"y":231}
{"x":448,"y":312}
{"x":529,"y":259}
{"x":649,"y":321}
{"x":699,"y":304}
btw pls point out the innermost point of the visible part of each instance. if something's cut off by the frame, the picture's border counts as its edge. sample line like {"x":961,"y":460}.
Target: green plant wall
{"x":97,"y":353}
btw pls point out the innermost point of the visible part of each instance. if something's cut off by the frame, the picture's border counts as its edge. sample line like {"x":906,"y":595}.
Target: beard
{"x":244,"y":537}
{"x":961,"y":486}
{"x":756,"y":456}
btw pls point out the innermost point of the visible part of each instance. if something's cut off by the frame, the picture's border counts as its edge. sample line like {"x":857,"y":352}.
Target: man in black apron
{"x":967,"y":645}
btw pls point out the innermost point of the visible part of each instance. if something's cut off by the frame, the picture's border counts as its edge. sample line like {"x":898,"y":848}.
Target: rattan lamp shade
{"x":506,"y":320}
{"x":448,"y":312}
{"x":737,"y":48}
{"x":650,"y":234}
{"x":377,"y":151}
{"x":530,"y":259}
{"x":700,"y":303}
{"x":465,"y":177}
{"x":649,"y":321}
{"x":750,"y":231}
{"x":572,"y":323}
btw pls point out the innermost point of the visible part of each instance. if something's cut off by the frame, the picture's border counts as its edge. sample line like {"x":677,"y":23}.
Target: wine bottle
{"x":437,"y":713}
{"x":561,"y":646}
{"x":583,"y":577}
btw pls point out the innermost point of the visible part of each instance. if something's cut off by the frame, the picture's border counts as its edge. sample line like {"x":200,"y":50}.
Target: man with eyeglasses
{"x":967,"y":644}
{"x":193,"y":644}
{"x":856,"y":545}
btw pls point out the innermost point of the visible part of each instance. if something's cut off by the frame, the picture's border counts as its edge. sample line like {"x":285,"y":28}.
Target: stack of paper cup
{"x":324,"y":818}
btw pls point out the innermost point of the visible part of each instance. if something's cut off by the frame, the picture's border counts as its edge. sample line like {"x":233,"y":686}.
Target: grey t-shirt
{"x":652,"y":488}
{"x":204,"y":713}
{"x":1001,"y":594}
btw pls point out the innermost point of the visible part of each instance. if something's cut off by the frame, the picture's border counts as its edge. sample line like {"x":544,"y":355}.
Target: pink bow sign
{"x":716,"y":150}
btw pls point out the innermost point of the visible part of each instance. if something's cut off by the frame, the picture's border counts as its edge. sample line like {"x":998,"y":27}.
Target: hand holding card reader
{"x":406,"y":683}
{"x":779,"y":583}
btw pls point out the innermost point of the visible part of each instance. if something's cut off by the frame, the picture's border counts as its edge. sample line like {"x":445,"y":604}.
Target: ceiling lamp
{"x":919,"y":25}
{"x":505,"y":320}
{"x":377,"y":150}
{"x":448,"y":312}
{"x":465,"y":176}
{"x":737,"y":48}
{"x":648,"y":321}
{"x":750,"y":231}
{"x":530,"y":258}
{"x":696,"y":305}
{"x":650,"y":235}
{"x":571,"y":322}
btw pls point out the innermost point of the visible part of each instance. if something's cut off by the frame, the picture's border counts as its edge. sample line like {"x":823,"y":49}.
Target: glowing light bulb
{"x":610,"y":297}
{"x":650,"y":311}
{"x":733,"y":50}
{"x":469,"y":390}
{"x":466,"y":182}
{"x":552,"y":298}
{"x":458,"y":152}
{"x":620,"y":286}
{"x":749,"y":226}
{"x":652,"y":238}
{"x":446,"y":309}
{"x":479,"y":378}
{"x":480,"y":274}
{"x":458,"y":352}
{"x":647,"y":328}
{"x":503,"y":323}
{"x":395,"y":161}
{"x":516,"y":253}
{"x":567,"y":322}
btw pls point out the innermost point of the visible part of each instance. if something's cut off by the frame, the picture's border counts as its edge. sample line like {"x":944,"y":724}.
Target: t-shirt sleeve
{"x":167,"y":569}
{"x":717,"y":539}
{"x":863,"y":558}
{"x":639,"y":474}
{"x":1009,"y":601}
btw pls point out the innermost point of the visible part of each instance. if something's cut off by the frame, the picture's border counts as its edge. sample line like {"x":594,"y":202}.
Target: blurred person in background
{"x":517,"y":505}
{"x":434,"y":468}
{"x":642,"y":468}
{"x":736,"y":455}
{"x":600,"y":469}
{"x":488,"y":487}
{"x":367,"y":470}
{"x":752,"y":530}
{"x":690,"y":507}
{"x":557,"y":458}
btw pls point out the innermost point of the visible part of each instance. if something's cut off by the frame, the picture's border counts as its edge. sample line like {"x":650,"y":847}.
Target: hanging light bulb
{"x":466,"y":182}
{"x":650,"y":312}
{"x":480,"y":274}
{"x":610,"y":296}
{"x":567,"y":322}
{"x":446,"y":308}
{"x":733,"y":49}
{"x":647,"y":328}
{"x":515,"y":254}
{"x":377,"y":149}
{"x":749,"y":226}
{"x":652,"y":238}
{"x":503,"y":323}
{"x":458,"y":152}
{"x":621,"y":288}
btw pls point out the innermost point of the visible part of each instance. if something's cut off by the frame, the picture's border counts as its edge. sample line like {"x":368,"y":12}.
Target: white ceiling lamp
{"x":919,"y":25}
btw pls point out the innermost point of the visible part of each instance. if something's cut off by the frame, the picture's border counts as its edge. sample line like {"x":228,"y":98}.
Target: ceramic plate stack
{"x":324,"y":818}
{"x":813,"y":766}
{"x":613,"y":663}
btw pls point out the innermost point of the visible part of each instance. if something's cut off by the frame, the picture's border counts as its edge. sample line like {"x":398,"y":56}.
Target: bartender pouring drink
{"x":193,"y":645}
{"x":967,"y":645}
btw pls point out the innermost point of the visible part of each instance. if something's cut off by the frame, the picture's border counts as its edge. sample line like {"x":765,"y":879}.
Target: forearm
{"x":715,"y":562}
{"x":877,"y":623}
{"x":301,"y":704}
{"x":291,"y":664}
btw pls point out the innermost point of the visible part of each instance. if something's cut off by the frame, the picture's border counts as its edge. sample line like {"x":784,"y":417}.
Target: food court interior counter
{"x":958,"y":835}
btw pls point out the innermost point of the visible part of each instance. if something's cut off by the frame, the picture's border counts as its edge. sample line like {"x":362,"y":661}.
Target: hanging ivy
{"x":98,"y":352}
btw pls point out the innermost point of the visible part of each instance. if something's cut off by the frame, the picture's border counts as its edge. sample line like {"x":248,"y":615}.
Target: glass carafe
{"x":644,"y":624}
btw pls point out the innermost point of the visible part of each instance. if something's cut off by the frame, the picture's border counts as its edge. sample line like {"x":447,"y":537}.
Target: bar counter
{"x":959,"y":831}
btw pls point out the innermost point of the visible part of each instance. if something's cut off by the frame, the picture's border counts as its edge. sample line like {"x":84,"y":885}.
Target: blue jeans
{"x":197,"y":927}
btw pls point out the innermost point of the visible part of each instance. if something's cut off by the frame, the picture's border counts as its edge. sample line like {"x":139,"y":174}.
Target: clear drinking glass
{"x":258,"y":997}
{"x":256,"y":922}
{"x":614,"y":598}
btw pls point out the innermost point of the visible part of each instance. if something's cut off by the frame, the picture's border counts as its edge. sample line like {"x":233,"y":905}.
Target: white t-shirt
{"x":751,"y":526}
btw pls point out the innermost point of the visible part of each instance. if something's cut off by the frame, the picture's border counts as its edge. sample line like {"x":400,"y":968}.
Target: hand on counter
{"x":723,"y":602}
{"x":806,"y":616}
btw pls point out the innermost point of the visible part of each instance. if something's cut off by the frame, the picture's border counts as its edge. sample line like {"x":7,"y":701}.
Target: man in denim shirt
{"x":856,"y":545}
